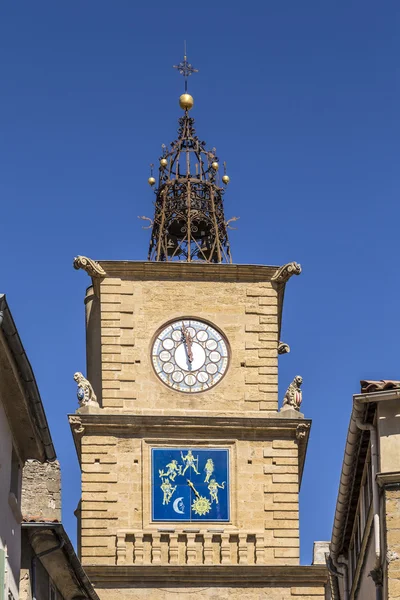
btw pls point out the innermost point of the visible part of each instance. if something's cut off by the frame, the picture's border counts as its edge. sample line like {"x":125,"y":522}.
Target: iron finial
{"x":185,"y":68}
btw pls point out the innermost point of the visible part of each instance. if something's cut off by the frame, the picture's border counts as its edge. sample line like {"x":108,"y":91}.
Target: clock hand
{"x":190,"y":484}
{"x":188,"y":343}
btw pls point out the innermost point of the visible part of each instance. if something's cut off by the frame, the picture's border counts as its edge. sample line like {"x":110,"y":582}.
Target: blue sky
{"x":302,"y":101}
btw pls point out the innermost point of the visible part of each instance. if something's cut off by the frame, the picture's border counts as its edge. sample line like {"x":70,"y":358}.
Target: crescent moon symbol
{"x":176,"y":507}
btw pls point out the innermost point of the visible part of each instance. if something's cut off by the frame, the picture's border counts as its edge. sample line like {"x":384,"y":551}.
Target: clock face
{"x":190,"y":484}
{"x":190,"y":355}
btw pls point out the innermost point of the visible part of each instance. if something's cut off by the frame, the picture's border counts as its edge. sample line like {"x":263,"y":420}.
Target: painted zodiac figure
{"x":190,"y":461}
{"x":174,"y":469}
{"x":168,"y":490}
{"x":209,"y":469}
{"x":213,"y":489}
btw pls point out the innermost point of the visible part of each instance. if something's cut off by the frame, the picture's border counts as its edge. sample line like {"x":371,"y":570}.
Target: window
{"x":15,"y":486}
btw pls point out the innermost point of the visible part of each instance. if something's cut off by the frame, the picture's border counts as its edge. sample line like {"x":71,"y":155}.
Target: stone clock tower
{"x":190,"y":473}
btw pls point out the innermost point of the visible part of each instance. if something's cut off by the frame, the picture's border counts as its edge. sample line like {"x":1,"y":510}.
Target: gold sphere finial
{"x":215,"y":165}
{"x":151,"y":181}
{"x":186,"y":101}
{"x":225,"y":179}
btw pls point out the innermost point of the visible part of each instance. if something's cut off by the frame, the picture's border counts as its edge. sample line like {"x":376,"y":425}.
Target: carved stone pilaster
{"x":283,"y":348}
{"x":283,"y":274}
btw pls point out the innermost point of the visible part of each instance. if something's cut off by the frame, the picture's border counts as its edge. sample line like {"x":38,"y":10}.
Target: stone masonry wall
{"x":133,"y":311}
{"x":116,"y":499}
{"x":244,"y":592}
{"x":392,"y":502}
{"x":41,"y":491}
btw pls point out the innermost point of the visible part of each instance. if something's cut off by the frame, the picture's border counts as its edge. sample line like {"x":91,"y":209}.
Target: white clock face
{"x":190,"y":355}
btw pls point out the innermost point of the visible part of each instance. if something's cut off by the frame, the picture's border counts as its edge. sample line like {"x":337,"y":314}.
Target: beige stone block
{"x":111,"y":349}
{"x":286,"y":498}
{"x":99,"y":440}
{"x":100,"y":541}
{"x":285,"y":478}
{"x":274,"y":452}
{"x":127,"y":337}
{"x":258,"y":328}
{"x":99,"y":477}
{"x":286,"y":533}
{"x":286,"y":515}
{"x":127,"y":320}
{"x":261,"y":362}
{"x":266,"y":290}
{"x":268,"y":353}
{"x":278,"y":460}
{"x":107,"y":298}
{"x":109,"y":339}
{"x":307,"y":591}
{"x":113,"y":403}
{"x":107,"y":307}
{"x":286,"y":552}
{"x":269,"y":406}
{"x":280,"y":469}
{"x":110,"y":323}
{"x":108,"y":332}
{"x":109,"y":281}
{"x":268,"y":337}
{"x":284,"y":444}
{"x":112,"y":366}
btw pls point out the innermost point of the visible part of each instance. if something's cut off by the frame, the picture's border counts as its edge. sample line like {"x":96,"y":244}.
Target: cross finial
{"x":185,"y":68}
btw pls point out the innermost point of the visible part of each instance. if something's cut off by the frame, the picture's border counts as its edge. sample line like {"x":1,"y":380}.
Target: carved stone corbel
{"x":283,"y":274}
{"x":92,"y":268}
{"x":301,"y":430}
{"x":76,"y":420}
{"x":283,"y":348}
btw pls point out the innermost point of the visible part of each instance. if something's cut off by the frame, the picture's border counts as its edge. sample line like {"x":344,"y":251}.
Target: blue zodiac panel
{"x":190,"y":484}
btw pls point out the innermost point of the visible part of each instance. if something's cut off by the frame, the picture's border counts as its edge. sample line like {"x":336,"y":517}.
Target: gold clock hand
{"x":190,"y":484}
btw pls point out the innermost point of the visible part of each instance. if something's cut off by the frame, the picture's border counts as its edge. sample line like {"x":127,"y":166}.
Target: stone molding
{"x":283,"y":274}
{"x":277,"y":576}
{"x":149,"y":270}
{"x":161,"y":427}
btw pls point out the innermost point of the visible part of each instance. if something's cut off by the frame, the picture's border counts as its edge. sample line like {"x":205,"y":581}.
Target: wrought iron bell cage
{"x":189,"y":223}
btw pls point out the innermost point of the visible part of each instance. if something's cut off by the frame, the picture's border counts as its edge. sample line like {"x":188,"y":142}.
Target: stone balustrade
{"x":189,"y":547}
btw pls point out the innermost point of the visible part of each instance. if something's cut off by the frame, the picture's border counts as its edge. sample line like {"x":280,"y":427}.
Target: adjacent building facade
{"x":24,"y":435}
{"x":364,"y":558}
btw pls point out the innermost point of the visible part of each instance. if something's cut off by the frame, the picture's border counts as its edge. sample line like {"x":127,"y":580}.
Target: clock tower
{"x":190,"y":472}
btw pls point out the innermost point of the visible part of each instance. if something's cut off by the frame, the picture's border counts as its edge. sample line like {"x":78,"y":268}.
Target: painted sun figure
{"x":201,"y":506}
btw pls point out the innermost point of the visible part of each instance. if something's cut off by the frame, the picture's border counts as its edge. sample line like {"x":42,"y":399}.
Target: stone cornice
{"x":189,"y":271}
{"x":205,"y":575}
{"x":190,"y":427}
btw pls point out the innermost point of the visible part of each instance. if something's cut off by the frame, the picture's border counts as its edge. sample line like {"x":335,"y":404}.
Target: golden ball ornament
{"x":151,"y":181}
{"x":215,"y":165}
{"x":163,"y":162}
{"x":225,"y":179}
{"x":186,"y":101}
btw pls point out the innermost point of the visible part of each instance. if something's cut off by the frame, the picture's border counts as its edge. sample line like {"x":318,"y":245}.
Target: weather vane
{"x":185,"y":68}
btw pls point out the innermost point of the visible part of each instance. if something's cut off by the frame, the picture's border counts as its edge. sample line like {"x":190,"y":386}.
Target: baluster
{"x":260,"y":549}
{"x":243,"y":549}
{"x":208,"y":549}
{"x":225,"y":549}
{"x":156,"y":549}
{"x":139,"y":549}
{"x":191,"y":549}
{"x":121,"y":549}
{"x":173,"y":549}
